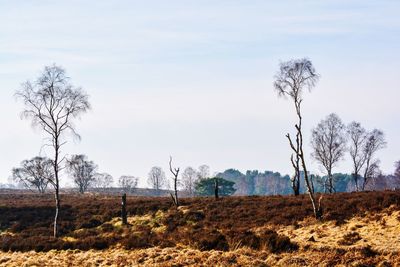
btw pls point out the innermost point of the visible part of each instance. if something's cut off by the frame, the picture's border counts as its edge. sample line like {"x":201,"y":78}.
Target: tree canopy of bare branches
{"x":357,"y":136}
{"x":204,"y":171}
{"x":128,"y":183}
{"x":52,"y":103}
{"x":374,"y":142}
{"x":292,"y":79}
{"x":37,"y":172}
{"x":156,"y":178}
{"x":102,"y":181}
{"x":189,"y":178}
{"x":82,"y":171}
{"x":329,"y":145}
{"x":397,"y":169}
{"x":363,"y":148}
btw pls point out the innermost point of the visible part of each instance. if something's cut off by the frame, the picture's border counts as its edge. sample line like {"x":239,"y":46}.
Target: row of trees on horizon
{"x":34,"y":174}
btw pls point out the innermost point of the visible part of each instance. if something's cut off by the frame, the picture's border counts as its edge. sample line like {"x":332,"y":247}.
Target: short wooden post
{"x":123,"y":210}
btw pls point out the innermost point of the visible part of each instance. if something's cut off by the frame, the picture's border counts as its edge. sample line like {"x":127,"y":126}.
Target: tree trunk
{"x":355,"y":175}
{"x":296,"y":185}
{"x":56,"y":187}
{"x":317,"y":209}
{"x":330,"y":180}
{"x":176,"y":191}
{"x":57,"y":197}
{"x":216,"y":188}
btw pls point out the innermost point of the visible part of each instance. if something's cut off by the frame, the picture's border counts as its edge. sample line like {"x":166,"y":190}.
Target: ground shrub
{"x":244,"y":238}
{"x":91,"y":223}
{"x":349,"y":239}
{"x":276,"y":243}
{"x":212,"y":240}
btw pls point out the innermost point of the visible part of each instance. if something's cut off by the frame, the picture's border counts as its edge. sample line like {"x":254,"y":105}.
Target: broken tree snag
{"x":175,"y":173}
{"x":123,"y":210}
{"x":216,"y":188}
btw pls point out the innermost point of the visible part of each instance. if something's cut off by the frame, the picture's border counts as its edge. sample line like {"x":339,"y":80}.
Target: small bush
{"x":211,"y":240}
{"x":368,"y":252}
{"x":349,"y":239}
{"x":276,"y":243}
{"x":93,"y":222}
{"x":194,"y":216}
{"x":246,"y":239}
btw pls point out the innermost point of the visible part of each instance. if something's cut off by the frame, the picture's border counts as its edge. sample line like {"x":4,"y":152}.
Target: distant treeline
{"x":273,"y":183}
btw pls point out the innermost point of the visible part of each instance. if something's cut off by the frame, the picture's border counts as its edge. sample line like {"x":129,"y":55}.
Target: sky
{"x":194,"y":79}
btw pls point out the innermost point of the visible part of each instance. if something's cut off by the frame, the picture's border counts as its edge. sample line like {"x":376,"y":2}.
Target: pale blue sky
{"x":193,"y":79}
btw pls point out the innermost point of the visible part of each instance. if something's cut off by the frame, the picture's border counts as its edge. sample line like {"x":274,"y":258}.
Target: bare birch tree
{"x":156,"y":179}
{"x":357,"y":136}
{"x":397,"y":169}
{"x":204,"y":171}
{"x":375,"y":141}
{"x":189,"y":178}
{"x":329,"y":145}
{"x":36,"y":172}
{"x":52,"y":103}
{"x":128,"y":183}
{"x":292,"y":79}
{"x":82,"y":171}
{"x":102,"y":181}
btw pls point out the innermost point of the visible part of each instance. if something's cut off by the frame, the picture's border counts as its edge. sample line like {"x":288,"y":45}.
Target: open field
{"x":358,"y":229}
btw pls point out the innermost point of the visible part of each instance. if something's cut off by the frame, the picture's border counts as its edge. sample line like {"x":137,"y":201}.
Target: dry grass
{"x":380,"y":231}
{"x":184,"y":256}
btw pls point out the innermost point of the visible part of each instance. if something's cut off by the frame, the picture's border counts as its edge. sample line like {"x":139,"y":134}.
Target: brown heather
{"x":358,"y":229}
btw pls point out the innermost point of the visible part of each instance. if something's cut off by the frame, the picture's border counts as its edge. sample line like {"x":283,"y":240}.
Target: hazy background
{"x":193,"y":79}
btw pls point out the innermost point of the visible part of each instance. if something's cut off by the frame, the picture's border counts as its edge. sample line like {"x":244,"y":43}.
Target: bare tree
{"x":82,"y":171}
{"x":357,"y":136}
{"x":204,"y":171}
{"x":374,"y":142}
{"x":293,"y":77}
{"x":396,"y":176}
{"x":189,"y":178}
{"x":175,"y":173}
{"x":397,"y":169}
{"x":329,"y":145}
{"x":52,"y":103}
{"x":156,"y":178}
{"x":128,"y":183}
{"x":37,"y":172}
{"x":102,"y":181}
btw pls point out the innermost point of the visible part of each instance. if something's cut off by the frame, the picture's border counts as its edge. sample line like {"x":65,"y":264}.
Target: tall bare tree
{"x":82,"y":171}
{"x":397,"y":169}
{"x":102,"y":181}
{"x":189,"y":178}
{"x":375,"y":141}
{"x":292,"y":79}
{"x":175,"y":173}
{"x":204,"y":171}
{"x":357,"y":136}
{"x":156,"y":178}
{"x":329,"y":145}
{"x":52,"y":103}
{"x":128,"y":183}
{"x":37,"y":172}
